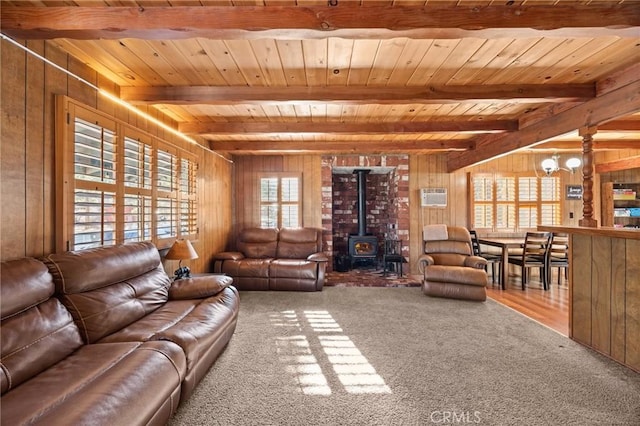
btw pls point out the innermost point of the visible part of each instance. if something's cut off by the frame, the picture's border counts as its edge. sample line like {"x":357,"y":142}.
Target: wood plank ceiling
{"x":477,"y":78}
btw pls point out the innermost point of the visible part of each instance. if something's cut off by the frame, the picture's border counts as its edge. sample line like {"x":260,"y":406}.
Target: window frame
{"x":279,"y":203}
{"x":148,"y":196}
{"x":518,"y":204}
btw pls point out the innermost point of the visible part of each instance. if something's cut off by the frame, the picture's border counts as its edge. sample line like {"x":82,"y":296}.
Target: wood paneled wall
{"x":247,"y":170}
{"x":605,"y":297}
{"x":27,"y":179}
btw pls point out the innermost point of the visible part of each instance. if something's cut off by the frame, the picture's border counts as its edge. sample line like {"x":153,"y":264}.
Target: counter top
{"x":628,"y":233}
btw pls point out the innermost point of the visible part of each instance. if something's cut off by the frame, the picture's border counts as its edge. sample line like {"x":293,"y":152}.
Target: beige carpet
{"x":392,"y":356}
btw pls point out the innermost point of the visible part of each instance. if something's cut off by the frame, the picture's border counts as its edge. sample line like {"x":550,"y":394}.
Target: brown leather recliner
{"x":449,"y":266}
{"x":270,"y":259}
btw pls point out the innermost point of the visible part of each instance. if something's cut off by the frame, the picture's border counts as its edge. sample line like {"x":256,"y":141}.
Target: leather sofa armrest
{"x":423,"y":261}
{"x":318,"y":257}
{"x":199,"y":287}
{"x":475,"y":262}
{"x":228,"y":255}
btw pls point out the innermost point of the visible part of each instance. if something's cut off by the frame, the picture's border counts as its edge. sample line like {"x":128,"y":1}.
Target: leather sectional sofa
{"x":103,"y":337}
{"x":271,"y":259}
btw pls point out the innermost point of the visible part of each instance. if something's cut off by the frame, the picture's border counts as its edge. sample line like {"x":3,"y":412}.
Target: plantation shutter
{"x":550,"y":212}
{"x":138,"y":167}
{"x":116,"y":183}
{"x":505,"y":219}
{"x":280,"y":202}
{"x":94,"y":165}
{"x":188,"y":194}
{"x":482,"y":201}
{"x":167,"y":196}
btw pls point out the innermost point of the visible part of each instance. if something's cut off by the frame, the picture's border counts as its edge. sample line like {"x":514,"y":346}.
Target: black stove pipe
{"x":362,"y":200}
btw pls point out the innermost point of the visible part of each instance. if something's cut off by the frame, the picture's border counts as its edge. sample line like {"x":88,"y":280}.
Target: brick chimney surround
{"x":387,"y":200}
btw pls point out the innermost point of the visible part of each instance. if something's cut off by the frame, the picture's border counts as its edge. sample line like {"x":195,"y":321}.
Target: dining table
{"x":504,"y":243}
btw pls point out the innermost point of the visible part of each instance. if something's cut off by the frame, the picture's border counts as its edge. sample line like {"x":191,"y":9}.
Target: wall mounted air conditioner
{"x":433,"y":197}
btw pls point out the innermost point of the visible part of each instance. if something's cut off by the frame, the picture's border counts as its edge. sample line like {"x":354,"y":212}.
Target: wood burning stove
{"x":362,"y":246}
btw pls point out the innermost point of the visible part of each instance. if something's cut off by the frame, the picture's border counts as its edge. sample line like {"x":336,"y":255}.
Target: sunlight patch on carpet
{"x":355,"y":372}
{"x":300,"y":356}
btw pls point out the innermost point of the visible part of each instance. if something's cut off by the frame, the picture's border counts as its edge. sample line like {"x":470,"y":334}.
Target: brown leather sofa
{"x":103,"y":337}
{"x":449,"y":266}
{"x":271,"y":259}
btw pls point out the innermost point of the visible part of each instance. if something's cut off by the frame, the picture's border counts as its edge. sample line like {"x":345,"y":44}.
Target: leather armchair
{"x":450,"y":269}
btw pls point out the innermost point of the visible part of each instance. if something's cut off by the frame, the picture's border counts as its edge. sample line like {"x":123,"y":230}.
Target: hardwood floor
{"x":550,"y":307}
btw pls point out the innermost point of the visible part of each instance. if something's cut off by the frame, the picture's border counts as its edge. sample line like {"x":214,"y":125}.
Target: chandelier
{"x":552,"y":164}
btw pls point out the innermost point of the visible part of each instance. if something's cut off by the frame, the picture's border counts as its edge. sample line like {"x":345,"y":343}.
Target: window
{"x":118,"y":184}
{"x":510,"y":203}
{"x":280,"y":201}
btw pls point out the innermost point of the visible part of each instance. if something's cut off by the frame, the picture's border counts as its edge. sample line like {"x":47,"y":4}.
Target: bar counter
{"x":604,"y":290}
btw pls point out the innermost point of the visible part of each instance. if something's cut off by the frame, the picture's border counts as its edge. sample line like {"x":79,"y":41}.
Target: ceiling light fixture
{"x":552,"y":164}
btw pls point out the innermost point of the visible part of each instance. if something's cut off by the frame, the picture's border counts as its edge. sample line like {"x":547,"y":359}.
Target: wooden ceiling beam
{"x":222,"y":95}
{"x":212,"y":128}
{"x":610,"y":106}
{"x":620,"y":126}
{"x":618,"y":165}
{"x":261,"y":147}
{"x":347,"y":19}
{"x":598,"y":145}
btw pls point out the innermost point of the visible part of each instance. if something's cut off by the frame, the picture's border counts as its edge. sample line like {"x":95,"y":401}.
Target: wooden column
{"x":587,"y":177}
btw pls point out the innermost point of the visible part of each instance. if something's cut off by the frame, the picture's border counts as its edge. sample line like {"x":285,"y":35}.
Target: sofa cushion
{"x":258,"y":268}
{"x":192,"y":324}
{"x":292,"y":268}
{"x":25,"y":283}
{"x":298,"y":243}
{"x":37,"y":331}
{"x":258,"y":243}
{"x":84,"y":270}
{"x":121,"y":285}
{"x":102,"y":384}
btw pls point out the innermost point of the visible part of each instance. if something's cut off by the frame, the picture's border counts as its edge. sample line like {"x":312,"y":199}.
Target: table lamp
{"x":181,"y":250}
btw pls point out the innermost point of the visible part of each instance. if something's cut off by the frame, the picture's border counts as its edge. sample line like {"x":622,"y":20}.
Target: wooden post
{"x":587,"y":178}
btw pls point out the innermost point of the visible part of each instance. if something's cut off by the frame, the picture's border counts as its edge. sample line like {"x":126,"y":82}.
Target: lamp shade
{"x":573,"y":163}
{"x":549,"y":165}
{"x":181,"y":250}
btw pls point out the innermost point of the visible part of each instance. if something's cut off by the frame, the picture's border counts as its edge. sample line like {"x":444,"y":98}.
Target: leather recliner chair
{"x":270,"y":259}
{"x":450,"y":269}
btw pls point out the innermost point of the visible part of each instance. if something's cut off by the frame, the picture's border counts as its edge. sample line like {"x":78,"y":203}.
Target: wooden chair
{"x":557,"y":256}
{"x":534,"y":254}
{"x":392,"y":254}
{"x":493,"y":259}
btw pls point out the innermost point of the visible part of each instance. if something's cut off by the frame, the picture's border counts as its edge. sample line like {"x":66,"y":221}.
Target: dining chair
{"x":392,"y":254}
{"x":534,"y":255}
{"x":557,"y":256}
{"x":492,"y":258}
